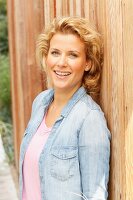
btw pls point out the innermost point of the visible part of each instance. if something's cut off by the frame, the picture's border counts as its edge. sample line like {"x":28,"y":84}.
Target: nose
{"x":62,"y":61}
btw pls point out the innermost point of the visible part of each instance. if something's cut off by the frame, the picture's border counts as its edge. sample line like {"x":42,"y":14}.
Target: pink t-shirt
{"x":31,"y":180}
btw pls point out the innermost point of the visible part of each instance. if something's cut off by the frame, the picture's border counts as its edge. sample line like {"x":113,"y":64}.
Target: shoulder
{"x":89,"y":103}
{"x":86,"y":106}
{"x":41,"y":101}
{"x":94,"y":120}
{"x":41,"y":95}
{"x":42,"y":98}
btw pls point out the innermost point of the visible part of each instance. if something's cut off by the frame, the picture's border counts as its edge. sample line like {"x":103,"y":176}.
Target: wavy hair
{"x":93,"y":47}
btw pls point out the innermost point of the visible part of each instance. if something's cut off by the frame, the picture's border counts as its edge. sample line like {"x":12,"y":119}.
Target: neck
{"x":62,"y":97}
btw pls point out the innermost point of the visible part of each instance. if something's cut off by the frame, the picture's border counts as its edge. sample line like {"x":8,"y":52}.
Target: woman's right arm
{"x":94,"y":154}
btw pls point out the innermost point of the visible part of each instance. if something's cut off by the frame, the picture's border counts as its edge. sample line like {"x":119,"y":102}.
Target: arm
{"x":94,"y":153}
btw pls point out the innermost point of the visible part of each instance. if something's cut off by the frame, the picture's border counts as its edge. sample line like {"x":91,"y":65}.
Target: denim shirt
{"x":74,"y":163}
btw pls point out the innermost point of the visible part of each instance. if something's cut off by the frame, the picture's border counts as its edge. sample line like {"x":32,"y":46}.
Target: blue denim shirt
{"x":74,"y":163}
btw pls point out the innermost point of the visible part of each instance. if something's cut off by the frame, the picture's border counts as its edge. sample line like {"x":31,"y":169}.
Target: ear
{"x":88,"y":66}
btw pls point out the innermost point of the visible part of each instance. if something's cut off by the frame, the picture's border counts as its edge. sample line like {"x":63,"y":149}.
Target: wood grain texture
{"x":114,"y":21}
{"x":117,"y":100}
{"x":49,"y":11}
{"x":127,"y":11}
{"x":24,"y":25}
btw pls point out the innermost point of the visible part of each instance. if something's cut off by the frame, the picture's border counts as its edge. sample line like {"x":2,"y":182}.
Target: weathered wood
{"x":117,"y":100}
{"x":114,"y":20}
{"x":127,"y":19}
{"x":25,"y":22}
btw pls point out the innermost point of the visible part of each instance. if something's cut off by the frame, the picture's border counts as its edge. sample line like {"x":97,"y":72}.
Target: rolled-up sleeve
{"x":94,"y":156}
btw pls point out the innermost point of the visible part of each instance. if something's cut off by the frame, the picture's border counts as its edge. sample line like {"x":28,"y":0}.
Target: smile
{"x":59,"y":73}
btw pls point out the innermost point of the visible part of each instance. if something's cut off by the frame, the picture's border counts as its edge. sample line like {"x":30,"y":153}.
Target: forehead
{"x":67,"y":41}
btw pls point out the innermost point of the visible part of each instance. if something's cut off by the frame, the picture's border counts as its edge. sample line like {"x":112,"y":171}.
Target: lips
{"x":61,"y":73}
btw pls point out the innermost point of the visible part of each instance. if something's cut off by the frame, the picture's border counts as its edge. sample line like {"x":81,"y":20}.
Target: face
{"x":66,"y":62}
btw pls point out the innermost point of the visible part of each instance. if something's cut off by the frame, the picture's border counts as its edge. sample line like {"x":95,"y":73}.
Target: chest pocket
{"x":63,"y":162}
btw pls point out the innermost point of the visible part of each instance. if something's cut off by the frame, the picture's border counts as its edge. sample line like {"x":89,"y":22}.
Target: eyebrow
{"x":70,"y":51}
{"x":74,"y":51}
{"x":54,"y":49}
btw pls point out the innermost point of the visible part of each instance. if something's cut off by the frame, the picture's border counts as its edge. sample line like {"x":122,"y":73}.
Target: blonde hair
{"x":93,"y":47}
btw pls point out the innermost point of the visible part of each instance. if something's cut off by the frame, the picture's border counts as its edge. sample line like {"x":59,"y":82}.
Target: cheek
{"x":79,"y":68}
{"x":49,"y":62}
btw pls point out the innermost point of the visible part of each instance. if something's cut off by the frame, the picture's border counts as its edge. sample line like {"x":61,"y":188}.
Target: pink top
{"x":31,"y":180}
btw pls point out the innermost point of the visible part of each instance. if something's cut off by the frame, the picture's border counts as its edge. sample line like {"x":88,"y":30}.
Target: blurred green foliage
{"x":3,"y":28}
{"x":6,"y":133}
{"x":5,"y":97}
{"x":6,"y":128}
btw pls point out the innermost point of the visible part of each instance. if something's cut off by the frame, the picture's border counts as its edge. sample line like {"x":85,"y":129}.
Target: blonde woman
{"x":66,"y":146}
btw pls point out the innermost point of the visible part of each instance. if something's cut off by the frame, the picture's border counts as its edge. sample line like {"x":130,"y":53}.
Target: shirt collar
{"x":74,"y":99}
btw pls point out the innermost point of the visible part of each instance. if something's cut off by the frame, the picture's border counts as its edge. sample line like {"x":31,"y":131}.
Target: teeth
{"x":62,"y":73}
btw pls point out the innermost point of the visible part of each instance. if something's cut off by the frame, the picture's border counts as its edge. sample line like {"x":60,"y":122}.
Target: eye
{"x":73,"y":55}
{"x":54,"y":53}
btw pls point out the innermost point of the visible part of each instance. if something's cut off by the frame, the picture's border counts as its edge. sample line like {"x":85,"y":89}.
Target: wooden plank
{"x":116,"y":102}
{"x":14,"y":81}
{"x":49,"y":11}
{"x":31,"y":72}
{"x":58,"y":8}
{"x":71,"y":8}
{"x":86,"y":9}
{"x":65,"y":8}
{"x":127,"y":11}
{"x":23,"y":66}
{"x":78,"y":9}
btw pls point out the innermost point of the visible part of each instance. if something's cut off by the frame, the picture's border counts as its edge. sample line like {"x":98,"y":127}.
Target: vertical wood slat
{"x":33,"y":13}
{"x":22,"y":18}
{"x":113,"y":19}
{"x":49,"y":11}
{"x":65,"y":7}
{"x":17,"y":104}
{"x":71,"y":8}
{"x":12,"y":49}
{"x":127,"y":10}
{"x":117,"y":100}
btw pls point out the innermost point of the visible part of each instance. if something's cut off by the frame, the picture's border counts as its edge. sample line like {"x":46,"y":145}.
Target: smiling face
{"x":66,"y":62}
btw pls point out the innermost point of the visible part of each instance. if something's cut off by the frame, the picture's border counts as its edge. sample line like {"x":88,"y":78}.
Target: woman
{"x":66,"y":146}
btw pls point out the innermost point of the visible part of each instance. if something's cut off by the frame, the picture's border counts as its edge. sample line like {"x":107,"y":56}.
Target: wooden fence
{"x":114,"y":19}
